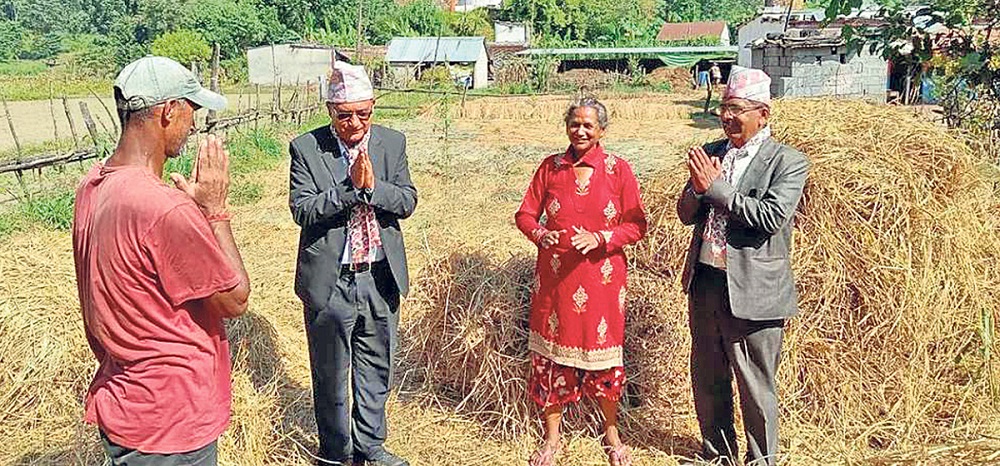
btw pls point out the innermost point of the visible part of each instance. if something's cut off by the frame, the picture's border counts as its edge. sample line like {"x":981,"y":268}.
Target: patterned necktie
{"x":718,"y":219}
{"x":363,"y":226}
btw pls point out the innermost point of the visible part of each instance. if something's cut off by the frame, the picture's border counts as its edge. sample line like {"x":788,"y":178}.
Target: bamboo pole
{"x":256,"y":107}
{"x":114,"y":124}
{"x":72,"y":125}
{"x":89,"y":121}
{"x":10,"y":124}
{"x":52,"y":112}
{"x":214,"y":83}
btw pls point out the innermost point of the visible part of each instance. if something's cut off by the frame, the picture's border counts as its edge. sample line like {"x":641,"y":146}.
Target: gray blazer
{"x":321,"y":196}
{"x":761,"y":207}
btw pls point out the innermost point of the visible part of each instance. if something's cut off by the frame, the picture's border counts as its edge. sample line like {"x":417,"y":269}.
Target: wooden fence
{"x":298,"y":106}
{"x":304,"y":101}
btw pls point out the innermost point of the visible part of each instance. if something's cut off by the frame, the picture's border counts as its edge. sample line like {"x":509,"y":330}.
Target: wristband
{"x":538,"y":234}
{"x":224,"y":216}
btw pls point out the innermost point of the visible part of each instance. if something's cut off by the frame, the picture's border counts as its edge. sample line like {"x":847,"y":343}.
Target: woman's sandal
{"x":619,"y":456}
{"x":545,"y":455}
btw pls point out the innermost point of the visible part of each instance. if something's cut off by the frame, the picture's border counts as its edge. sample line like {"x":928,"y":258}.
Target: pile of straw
{"x":679,"y":78}
{"x":895,"y":249}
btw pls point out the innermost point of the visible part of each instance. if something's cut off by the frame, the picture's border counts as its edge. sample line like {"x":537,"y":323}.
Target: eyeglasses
{"x":736,"y":110}
{"x":363,"y":115}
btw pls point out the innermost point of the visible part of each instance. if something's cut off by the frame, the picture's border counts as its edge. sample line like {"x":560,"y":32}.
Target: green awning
{"x":686,"y":60}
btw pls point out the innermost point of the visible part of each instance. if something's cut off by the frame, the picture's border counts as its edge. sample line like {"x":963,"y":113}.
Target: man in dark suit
{"x":741,"y":197}
{"x":350,"y":186}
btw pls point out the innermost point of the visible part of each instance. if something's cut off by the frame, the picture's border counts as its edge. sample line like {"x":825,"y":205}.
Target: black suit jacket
{"x":321,"y":196}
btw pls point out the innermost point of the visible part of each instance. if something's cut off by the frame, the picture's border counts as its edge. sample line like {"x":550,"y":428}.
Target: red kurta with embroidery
{"x":578,"y":303}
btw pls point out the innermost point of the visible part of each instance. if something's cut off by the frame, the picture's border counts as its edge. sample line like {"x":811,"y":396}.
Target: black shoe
{"x":382,"y":457}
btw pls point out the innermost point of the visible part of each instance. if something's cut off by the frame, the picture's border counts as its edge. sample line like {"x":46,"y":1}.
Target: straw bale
{"x":893,"y":348}
{"x":894,"y":245}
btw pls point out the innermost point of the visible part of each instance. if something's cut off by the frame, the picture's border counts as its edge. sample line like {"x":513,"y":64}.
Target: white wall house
{"x":289,"y":63}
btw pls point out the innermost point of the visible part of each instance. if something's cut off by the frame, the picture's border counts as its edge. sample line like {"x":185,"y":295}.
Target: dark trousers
{"x":351,"y":346}
{"x":121,"y":456}
{"x":722,"y":345}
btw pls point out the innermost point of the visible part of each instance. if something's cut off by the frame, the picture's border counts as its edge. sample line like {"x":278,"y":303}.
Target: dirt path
{"x":33,"y":119}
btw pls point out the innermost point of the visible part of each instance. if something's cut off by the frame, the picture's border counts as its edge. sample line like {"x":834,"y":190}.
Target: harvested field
{"x":891,"y":361}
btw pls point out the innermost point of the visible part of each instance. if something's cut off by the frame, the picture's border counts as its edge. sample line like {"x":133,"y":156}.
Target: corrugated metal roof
{"x":681,"y":31}
{"x":625,"y":51}
{"x":422,"y":49}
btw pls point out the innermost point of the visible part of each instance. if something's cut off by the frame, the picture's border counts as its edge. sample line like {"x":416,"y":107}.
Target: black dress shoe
{"x":384,"y":458}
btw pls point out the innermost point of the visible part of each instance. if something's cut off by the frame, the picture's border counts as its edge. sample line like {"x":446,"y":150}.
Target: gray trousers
{"x":722,"y":345}
{"x":351,"y":346}
{"x":121,"y":456}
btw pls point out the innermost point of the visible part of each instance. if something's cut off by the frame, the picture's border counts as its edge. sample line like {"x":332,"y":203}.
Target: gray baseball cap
{"x":153,"y":80}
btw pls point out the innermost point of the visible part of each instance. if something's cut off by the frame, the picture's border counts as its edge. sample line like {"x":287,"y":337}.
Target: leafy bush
{"x":435,"y":76}
{"x":182,"y":45}
{"x":55,"y":212}
{"x":235,"y":69}
{"x":10,"y":39}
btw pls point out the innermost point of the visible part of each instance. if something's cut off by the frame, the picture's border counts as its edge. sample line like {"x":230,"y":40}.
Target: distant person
{"x":349,"y":188}
{"x":157,"y":271}
{"x":704,"y":79}
{"x":741,"y":198}
{"x":716,"y":73}
{"x":590,"y":201}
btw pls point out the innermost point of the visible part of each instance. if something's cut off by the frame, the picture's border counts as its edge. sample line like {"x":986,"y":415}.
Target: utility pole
{"x":357,"y":44}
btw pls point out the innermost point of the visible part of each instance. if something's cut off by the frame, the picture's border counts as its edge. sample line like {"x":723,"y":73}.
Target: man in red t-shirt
{"x":157,"y":271}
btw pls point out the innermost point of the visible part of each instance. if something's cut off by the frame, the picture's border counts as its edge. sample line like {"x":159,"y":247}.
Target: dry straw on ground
{"x":894,"y":256}
{"x":895,"y":253}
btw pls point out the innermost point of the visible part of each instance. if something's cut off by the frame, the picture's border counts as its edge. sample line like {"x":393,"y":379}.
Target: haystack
{"x":894,"y":255}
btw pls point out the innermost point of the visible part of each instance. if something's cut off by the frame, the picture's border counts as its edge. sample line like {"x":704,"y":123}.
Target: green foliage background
{"x":102,"y":35}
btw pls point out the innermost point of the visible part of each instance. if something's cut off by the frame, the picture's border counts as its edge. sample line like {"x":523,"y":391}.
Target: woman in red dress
{"x":581,"y":209}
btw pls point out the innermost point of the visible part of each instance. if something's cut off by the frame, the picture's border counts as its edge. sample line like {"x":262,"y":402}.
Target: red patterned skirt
{"x":552,"y":384}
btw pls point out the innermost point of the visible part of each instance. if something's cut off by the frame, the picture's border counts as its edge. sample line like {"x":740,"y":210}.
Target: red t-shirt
{"x":145,"y":256}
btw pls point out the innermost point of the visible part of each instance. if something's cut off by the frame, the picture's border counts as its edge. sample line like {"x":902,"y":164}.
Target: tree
{"x":10,"y":39}
{"x":956,"y":41}
{"x":589,"y":22}
{"x":734,"y":12}
{"x":473,"y":23}
{"x":235,"y":25}
{"x":182,"y":45}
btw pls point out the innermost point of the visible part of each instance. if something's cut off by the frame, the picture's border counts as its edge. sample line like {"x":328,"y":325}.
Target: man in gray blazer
{"x":741,"y":198}
{"x":350,"y":186}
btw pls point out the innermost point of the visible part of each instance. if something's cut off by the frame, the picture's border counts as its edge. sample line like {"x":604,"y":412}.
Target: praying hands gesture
{"x":704,"y":169}
{"x":208,"y":185}
{"x":362,"y":173}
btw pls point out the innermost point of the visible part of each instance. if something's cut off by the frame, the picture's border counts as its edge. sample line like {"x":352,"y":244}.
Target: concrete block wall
{"x":824,"y":71}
